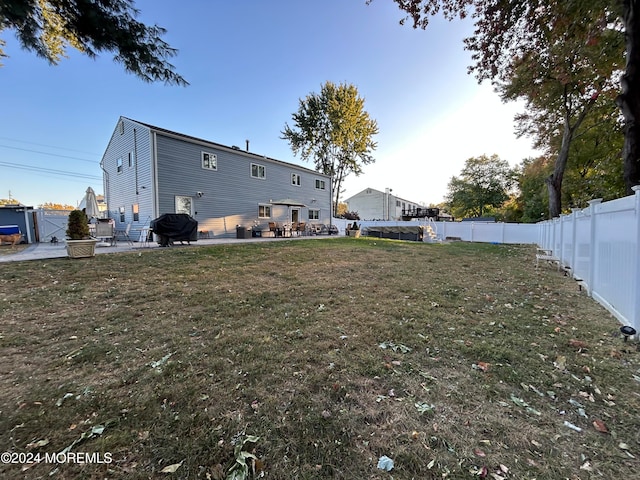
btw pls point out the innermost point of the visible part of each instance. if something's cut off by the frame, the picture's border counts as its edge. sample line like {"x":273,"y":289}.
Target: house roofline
{"x":178,"y":135}
{"x":383,"y":193}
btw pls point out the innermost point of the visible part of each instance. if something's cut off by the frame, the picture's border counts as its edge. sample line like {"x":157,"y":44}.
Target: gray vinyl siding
{"x":134,"y":185}
{"x":230,"y":194}
{"x":170,"y":164}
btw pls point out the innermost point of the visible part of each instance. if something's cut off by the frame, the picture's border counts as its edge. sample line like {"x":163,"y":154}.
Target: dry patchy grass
{"x":456,"y":361}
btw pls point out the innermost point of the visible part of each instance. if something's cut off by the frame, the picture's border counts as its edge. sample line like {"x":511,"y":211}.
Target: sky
{"x":249,"y":63}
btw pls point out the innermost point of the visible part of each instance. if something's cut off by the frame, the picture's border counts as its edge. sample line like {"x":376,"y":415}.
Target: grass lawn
{"x":316,"y":357}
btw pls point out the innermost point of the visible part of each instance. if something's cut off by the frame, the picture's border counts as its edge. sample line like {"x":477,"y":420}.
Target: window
{"x":320,"y":184}
{"x":135,"y":210}
{"x":122,"y":219}
{"x":258,"y":171}
{"x":130,"y":159}
{"x":209,"y":161}
{"x":314,"y":214}
{"x":119,"y":165}
{"x":295,"y":179}
{"x":397,"y":203}
{"x":184,"y":205}
{"x":264,"y":211}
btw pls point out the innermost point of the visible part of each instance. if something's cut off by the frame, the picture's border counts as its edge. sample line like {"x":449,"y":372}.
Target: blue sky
{"x":248,"y":63}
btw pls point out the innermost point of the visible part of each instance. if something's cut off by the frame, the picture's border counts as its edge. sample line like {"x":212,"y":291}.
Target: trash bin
{"x":243,"y":232}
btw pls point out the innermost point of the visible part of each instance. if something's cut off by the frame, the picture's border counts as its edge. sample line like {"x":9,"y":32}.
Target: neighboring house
{"x":372,"y":204}
{"x":149,"y":171}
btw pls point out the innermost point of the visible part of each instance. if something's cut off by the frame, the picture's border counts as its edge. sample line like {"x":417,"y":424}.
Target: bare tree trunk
{"x":629,"y":98}
{"x":554,"y":181}
{"x":339,"y":177}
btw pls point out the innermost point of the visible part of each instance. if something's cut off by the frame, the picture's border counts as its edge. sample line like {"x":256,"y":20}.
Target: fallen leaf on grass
{"x":159,"y":363}
{"x":479,"y":453}
{"x":483,"y":366}
{"x":38,"y":444}
{"x":586,"y":466}
{"x":385,"y":463}
{"x":561,"y":362}
{"x":572,"y":426}
{"x":424,"y":407}
{"x":63,"y":398}
{"x":95,"y":431}
{"x":600,"y":426}
{"x":577,"y":344}
{"x":171,"y":468}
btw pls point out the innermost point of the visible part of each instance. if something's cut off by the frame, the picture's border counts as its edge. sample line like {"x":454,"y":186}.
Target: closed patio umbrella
{"x":90,"y":204}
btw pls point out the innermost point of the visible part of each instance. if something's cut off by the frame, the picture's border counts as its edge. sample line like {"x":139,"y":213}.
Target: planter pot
{"x":81,"y":248}
{"x":354,"y":233}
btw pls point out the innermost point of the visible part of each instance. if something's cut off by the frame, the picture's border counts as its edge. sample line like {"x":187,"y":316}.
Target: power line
{"x":49,"y":170}
{"x":45,"y":145}
{"x":51,"y":154}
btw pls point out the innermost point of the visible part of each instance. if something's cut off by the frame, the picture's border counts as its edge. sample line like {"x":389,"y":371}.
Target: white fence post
{"x":592,"y":243}
{"x":636,"y":310}
{"x":574,"y":247}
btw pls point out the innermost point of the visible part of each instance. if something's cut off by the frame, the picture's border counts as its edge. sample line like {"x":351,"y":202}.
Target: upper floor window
{"x":258,"y":171}
{"x":295,"y":179}
{"x":209,"y":161}
{"x":119,"y":165}
{"x":320,"y":185}
{"x":130,"y":159}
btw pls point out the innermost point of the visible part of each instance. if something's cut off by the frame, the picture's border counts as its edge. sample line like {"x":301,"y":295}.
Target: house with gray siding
{"x":149,"y":171}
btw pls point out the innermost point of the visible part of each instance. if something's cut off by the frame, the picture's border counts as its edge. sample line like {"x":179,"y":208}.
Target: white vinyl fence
{"x":601,"y":245}
{"x":488,"y":232}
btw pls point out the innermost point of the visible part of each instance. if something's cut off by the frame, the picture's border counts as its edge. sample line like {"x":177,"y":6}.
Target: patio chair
{"x":104,"y":231}
{"x":276,"y":229}
{"x":123,"y":233}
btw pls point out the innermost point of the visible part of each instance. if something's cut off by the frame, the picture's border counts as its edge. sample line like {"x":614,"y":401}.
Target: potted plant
{"x":353,"y":230}
{"x":79,"y":243}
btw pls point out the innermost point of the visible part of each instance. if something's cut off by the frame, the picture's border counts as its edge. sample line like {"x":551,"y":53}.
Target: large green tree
{"x":48,"y":27}
{"x":533,"y":198}
{"x":568,"y":78}
{"x":504,"y":29}
{"x":483,"y":185}
{"x":333,"y":129}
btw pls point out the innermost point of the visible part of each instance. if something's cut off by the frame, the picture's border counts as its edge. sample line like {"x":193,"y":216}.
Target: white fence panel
{"x":471,"y":231}
{"x":616,"y":246}
{"x":601,"y":244}
{"x":582,"y":251}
